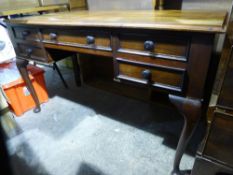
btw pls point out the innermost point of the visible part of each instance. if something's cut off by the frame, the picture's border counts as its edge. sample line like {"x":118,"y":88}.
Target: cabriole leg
{"x":191,"y":111}
{"x":22,"y":67}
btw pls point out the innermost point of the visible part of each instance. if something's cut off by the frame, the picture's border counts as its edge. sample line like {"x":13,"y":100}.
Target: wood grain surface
{"x":202,"y":21}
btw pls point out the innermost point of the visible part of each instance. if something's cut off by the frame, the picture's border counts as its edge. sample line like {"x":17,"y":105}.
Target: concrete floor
{"x":88,"y":131}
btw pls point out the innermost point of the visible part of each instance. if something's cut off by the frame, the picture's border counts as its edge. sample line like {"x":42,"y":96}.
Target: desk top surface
{"x":202,"y":21}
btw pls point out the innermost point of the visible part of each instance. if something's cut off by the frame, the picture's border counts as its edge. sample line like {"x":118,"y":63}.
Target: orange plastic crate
{"x":19,"y":98}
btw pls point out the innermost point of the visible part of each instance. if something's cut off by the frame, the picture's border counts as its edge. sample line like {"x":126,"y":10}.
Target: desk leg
{"x":191,"y":111}
{"x":22,"y":67}
{"x":76,"y":68}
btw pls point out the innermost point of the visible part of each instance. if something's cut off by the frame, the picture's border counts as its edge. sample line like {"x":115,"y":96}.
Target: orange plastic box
{"x":18,"y":96}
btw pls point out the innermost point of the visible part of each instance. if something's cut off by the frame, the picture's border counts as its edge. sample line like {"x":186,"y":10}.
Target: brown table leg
{"x":76,"y":68}
{"x":22,"y":67}
{"x":191,"y":111}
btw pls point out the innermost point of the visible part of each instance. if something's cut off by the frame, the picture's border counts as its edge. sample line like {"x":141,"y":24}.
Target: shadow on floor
{"x":140,"y":114}
{"x":149,"y":117}
{"x":87,"y":169}
{"x":26,"y":164}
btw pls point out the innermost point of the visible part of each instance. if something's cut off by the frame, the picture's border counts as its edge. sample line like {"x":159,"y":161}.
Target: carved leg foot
{"x":191,"y":111}
{"x":76,"y":68}
{"x":22,"y":67}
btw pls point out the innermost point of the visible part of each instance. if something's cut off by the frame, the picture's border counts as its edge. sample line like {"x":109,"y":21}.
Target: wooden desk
{"x":32,"y":10}
{"x":167,"y":51}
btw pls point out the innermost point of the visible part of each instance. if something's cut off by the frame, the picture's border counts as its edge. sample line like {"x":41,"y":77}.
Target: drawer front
{"x":161,"y":46}
{"x":153,"y":61}
{"x":26,"y":33}
{"x":32,"y":52}
{"x":86,"y":39}
{"x":219,"y":144}
{"x":159,"y":77}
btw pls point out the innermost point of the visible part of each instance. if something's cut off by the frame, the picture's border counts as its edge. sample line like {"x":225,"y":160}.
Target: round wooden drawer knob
{"x":29,"y":51}
{"x":149,"y":45}
{"x":90,"y":39}
{"x":146,"y":74}
{"x":53,"y":36}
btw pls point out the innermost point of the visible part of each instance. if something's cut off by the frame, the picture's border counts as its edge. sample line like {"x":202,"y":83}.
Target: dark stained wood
{"x":98,"y":71}
{"x":161,"y":78}
{"x":76,"y":37}
{"x":216,"y":151}
{"x":219,"y":144}
{"x":225,"y":96}
{"x":202,"y":21}
{"x":165,"y":46}
{"x":144,"y":48}
{"x":191,"y":111}
{"x":86,"y":50}
{"x":152,"y":60}
{"x":199,"y":61}
{"x":225,"y":57}
{"x":76,"y":68}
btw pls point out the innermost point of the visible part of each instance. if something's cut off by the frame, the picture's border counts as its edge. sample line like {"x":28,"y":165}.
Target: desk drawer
{"x":78,"y":38}
{"x":26,"y":33}
{"x":161,"y":46}
{"x":153,"y":61}
{"x":169,"y":79}
{"x":32,"y":52}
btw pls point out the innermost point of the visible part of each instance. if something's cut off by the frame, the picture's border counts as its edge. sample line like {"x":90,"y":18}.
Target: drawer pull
{"x":25,"y":33}
{"x":53,"y":36}
{"x":90,"y":39}
{"x":149,"y":45}
{"x":29,"y":51}
{"x":146,"y":74}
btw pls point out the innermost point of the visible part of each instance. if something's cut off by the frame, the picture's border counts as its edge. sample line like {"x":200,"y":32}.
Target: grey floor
{"x":88,"y":131}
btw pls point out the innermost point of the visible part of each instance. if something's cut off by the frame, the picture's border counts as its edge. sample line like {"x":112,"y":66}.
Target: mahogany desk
{"x":167,"y":51}
{"x":40,"y":9}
